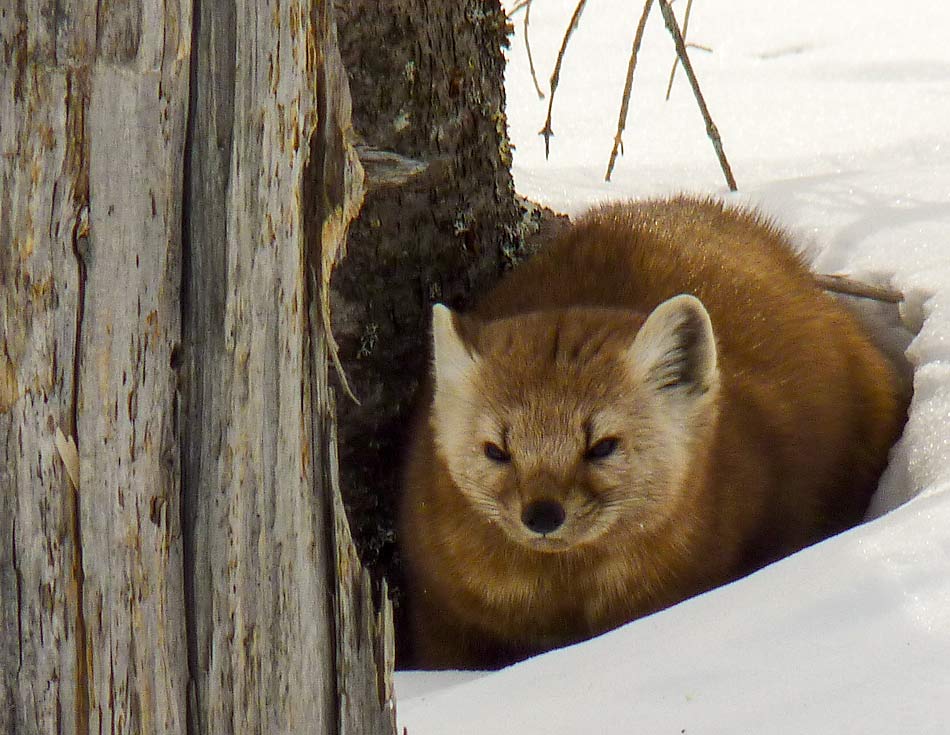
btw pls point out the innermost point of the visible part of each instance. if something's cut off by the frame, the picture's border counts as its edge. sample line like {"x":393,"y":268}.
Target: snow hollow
{"x":835,"y":118}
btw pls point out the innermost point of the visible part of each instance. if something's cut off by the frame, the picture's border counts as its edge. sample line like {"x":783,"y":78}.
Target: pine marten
{"x":659,"y":402}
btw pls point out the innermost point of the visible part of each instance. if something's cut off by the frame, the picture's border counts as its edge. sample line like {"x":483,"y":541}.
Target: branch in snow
{"x":850,"y":287}
{"x":546,"y":131}
{"x":669,"y":86}
{"x":711,"y":129}
{"x":527,"y":46}
{"x":628,"y":84}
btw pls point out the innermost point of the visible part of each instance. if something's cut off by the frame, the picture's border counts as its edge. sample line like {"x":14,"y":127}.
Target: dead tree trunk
{"x":92,"y":130}
{"x":174,"y":190}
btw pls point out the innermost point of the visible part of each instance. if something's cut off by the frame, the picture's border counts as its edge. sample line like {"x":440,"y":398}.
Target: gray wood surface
{"x":163,"y":295}
{"x":43,"y":193}
{"x":94,"y":102}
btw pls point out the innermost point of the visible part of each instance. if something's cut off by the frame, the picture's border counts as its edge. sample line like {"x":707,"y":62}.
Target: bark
{"x":163,"y":303}
{"x":435,"y":97}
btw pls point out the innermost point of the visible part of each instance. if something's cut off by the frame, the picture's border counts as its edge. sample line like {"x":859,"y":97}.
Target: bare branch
{"x":669,"y":86}
{"x":523,"y":5}
{"x":527,"y":45}
{"x":546,"y":131}
{"x":850,"y":287}
{"x":711,"y":129}
{"x":628,"y":84}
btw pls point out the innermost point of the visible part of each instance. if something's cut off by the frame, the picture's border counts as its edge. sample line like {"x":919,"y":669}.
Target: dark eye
{"x":496,"y":453}
{"x":601,"y":449}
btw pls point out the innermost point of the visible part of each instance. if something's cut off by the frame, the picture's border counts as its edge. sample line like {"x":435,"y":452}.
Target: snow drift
{"x":835,"y":120}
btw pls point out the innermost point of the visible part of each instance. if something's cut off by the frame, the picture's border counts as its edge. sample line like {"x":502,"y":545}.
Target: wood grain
{"x":94,"y":112}
{"x":273,"y":185}
{"x":163,"y":273}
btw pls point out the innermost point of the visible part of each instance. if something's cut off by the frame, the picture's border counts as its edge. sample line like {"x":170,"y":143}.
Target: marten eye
{"x":496,"y":453}
{"x":602,"y":448}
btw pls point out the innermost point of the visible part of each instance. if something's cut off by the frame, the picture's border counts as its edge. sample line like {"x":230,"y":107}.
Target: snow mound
{"x":834,"y":117}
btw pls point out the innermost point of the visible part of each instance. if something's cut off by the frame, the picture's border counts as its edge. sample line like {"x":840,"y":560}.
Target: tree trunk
{"x":92,"y":130}
{"x":440,"y":221}
{"x":163,"y":287}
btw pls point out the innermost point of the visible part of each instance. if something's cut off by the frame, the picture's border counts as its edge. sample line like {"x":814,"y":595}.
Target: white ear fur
{"x":453,"y":367}
{"x":451,"y":360}
{"x":675,"y":350}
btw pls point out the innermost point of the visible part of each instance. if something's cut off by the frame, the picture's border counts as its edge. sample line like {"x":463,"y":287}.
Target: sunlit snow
{"x":836,"y":120}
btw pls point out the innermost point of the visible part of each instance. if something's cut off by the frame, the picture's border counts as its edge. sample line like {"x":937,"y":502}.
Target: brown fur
{"x":769,"y":439}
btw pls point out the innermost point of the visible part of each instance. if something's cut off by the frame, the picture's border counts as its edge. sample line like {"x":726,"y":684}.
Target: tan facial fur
{"x":548,"y":388}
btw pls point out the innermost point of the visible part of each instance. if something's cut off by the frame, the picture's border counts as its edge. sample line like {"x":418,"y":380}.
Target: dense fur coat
{"x":659,"y":402}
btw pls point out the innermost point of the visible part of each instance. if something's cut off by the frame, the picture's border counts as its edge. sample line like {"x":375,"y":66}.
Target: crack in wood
{"x":18,"y":578}
{"x":76,"y":100}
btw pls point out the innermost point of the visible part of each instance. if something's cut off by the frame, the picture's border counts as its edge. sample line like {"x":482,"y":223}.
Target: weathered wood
{"x":365,"y":639}
{"x":43,"y":190}
{"x":198,"y":577}
{"x":93,"y":120}
{"x":273,"y":185}
{"x":206,"y":358}
{"x":365,"y":635}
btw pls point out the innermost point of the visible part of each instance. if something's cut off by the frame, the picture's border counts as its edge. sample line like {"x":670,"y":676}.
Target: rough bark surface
{"x":436,"y":97}
{"x":163,"y":293}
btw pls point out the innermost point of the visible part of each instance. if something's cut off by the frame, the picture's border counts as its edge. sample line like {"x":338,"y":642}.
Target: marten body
{"x":594,"y":446}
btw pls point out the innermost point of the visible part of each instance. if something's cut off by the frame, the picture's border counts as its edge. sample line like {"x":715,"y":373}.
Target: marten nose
{"x":543,"y":516}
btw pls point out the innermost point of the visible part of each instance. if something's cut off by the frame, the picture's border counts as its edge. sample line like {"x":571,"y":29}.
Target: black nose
{"x":543,"y":516}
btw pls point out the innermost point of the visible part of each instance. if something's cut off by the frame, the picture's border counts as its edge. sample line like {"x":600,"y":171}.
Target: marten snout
{"x":543,"y":516}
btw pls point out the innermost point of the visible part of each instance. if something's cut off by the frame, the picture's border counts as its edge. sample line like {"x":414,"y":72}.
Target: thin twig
{"x":519,"y":6}
{"x":527,"y":45}
{"x":851,"y":287}
{"x":628,"y":84}
{"x":669,"y":86}
{"x":546,"y":131}
{"x":711,"y":129}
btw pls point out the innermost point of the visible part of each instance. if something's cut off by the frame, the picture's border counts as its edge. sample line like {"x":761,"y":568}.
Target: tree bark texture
{"x":436,"y":228}
{"x":174,"y":191}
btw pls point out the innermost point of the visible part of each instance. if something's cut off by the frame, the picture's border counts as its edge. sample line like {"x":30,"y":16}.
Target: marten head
{"x":560,"y":426}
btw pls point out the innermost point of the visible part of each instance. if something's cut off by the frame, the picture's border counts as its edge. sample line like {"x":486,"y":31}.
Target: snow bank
{"x":848,"y":636}
{"x":835,"y":119}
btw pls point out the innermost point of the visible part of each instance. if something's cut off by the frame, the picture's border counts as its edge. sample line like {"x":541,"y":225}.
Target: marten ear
{"x":675,"y":350}
{"x":452,"y":361}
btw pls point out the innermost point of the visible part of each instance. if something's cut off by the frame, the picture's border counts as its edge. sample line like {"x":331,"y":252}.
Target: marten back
{"x":658,"y":402}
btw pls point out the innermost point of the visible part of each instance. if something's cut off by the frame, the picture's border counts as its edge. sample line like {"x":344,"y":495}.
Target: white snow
{"x":835,"y":118}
